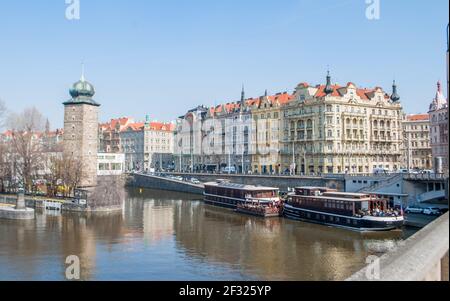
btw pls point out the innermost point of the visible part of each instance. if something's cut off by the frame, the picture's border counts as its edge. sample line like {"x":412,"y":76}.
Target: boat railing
{"x":260,"y":208}
{"x":385,"y":213}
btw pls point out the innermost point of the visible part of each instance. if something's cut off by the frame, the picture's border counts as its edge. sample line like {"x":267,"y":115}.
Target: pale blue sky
{"x":163,"y":57}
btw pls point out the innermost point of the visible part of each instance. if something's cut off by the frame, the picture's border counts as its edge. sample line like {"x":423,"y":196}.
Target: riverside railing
{"x":422,"y":257}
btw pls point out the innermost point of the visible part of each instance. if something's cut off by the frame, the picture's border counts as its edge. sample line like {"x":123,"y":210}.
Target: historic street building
{"x":317,"y":130}
{"x":146,"y":145}
{"x":81,"y":130}
{"x":416,"y":142}
{"x":439,"y":131}
{"x":267,"y":112}
{"x":109,"y":135}
{"x":342,"y":129}
{"x":132,"y":145}
{"x":158,"y":145}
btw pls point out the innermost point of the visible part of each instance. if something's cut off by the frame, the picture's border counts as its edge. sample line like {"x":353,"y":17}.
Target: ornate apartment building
{"x":439,"y":131}
{"x":109,"y":135}
{"x":317,"y":130}
{"x":81,"y":130}
{"x":268,"y":114}
{"x":416,"y":142}
{"x":132,"y":145}
{"x":158,"y":145}
{"x":249,"y":136}
{"x":342,"y":129}
{"x":146,"y":145}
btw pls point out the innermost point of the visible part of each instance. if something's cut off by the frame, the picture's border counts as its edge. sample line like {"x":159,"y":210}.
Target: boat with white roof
{"x":356,"y":211}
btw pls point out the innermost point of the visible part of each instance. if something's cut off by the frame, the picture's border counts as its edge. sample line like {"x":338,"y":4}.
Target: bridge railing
{"x":422,"y":257}
{"x":426,"y":177}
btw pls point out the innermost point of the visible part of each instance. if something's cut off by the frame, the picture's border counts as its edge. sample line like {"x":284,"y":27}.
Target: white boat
{"x":53,"y":205}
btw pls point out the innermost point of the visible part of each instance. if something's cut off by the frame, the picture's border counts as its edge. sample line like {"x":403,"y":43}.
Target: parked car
{"x":229,"y":169}
{"x":381,"y":171}
{"x":195,"y":181}
{"x":413,"y":209}
{"x":432,"y":211}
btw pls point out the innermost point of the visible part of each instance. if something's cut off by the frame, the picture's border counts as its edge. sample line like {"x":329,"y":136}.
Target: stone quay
{"x":18,"y":212}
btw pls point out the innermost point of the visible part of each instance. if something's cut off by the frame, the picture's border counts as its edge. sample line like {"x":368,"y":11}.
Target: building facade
{"x":342,"y":129}
{"x":268,"y":115}
{"x":110,"y":164}
{"x":439,"y":131}
{"x":132,"y":144}
{"x":317,"y":130}
{"x":147,"y":145}
{"x":216,"y":139}
{"x":158,"y":145}
{"x":416,"y":142}
{"x":81,"y":130}
{"x":109,"y":134}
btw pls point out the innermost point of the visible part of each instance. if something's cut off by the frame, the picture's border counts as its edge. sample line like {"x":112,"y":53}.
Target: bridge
{"x":422,"y":257}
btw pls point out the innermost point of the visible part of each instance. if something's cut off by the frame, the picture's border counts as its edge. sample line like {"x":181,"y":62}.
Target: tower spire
{"x":328,"y":88}
{"x":82,"y":72}
{"x":395,"y":97}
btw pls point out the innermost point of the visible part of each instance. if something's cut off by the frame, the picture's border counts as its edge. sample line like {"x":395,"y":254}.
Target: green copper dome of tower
{"x":82,"y":92}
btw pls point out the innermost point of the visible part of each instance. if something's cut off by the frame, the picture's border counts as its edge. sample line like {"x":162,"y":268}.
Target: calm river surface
{"x":172,"y":236}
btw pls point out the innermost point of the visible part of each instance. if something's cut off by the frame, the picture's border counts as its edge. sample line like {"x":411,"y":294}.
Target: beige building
{"x":158,"y":145}
{"x":342,"y":129}
{"x":267,"y":112}
{"x":416,"y":142}
{"x":439,"y":131}
{"x":81,"y":130}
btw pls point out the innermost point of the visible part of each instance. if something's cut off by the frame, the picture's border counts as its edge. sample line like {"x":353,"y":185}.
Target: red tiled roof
{"x":115,"y":122}
{"x":160,"y":126}
{"x":134,"y":127}
{"x":321,"y":93}
{"x":418,"y":117}
{"x":282,"y":98}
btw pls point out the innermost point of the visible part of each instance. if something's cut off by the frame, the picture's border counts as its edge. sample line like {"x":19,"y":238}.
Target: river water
{"x":171,"y":236}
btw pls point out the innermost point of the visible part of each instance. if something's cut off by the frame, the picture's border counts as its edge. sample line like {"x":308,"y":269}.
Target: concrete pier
{"x":17,"y":212}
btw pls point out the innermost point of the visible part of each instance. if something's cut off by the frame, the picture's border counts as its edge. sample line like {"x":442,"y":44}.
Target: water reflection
{"x":172,"y":236}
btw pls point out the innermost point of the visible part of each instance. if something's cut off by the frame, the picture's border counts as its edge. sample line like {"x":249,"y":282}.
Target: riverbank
{"x":11,"y":213}
{"x":38,"y":202}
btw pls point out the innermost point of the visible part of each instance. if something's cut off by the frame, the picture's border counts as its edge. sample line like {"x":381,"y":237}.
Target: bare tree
{"x":63,"y":171}
{"x":5,"y":162}
{"x":110,"y":192}
{"x":26,"y":130}
{"x":3,"y":111}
